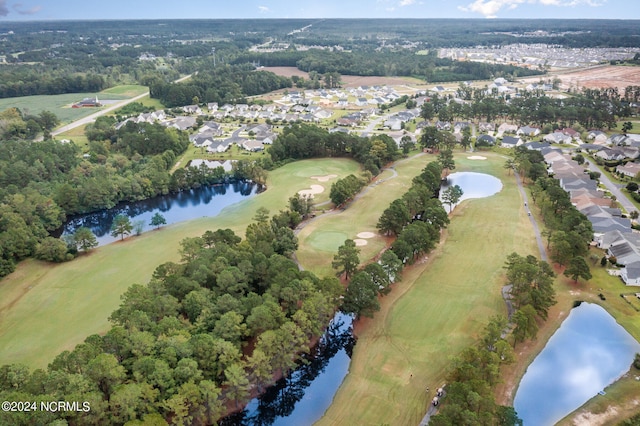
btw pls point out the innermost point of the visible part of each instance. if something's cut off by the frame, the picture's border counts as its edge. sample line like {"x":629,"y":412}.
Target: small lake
{"x":588,"y":352}
{"x":304,"y":396}
{"x":474,"y":185}
{"x":177,"y":207}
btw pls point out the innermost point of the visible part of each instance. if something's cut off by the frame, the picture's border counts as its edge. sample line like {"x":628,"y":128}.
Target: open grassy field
{"x":319,"y":240}
{"x":47,"y":308}
{"x":60,"y":105}
{"x":438,"y":308}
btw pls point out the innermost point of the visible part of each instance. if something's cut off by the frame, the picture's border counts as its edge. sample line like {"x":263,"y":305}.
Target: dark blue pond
{"x":589,"y":351}
{"x":303,"y":397}
{"x":178,"y":207}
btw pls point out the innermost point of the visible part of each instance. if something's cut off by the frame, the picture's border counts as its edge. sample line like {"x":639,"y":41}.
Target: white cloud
{"x":490,"y":8}
{"x":263,"y":9}
{"x":407,"y":2}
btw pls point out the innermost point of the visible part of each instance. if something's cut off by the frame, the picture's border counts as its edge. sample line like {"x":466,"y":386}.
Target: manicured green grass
{"x":438,"y":309}
{"x":153,"y":104}
{"x":127,"y":90}
{"x":47,"y":308}
{"x":319,"y":240}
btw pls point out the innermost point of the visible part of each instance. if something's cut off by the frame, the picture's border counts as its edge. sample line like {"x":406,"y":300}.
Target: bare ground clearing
{"x":350,"y":80}
{"x":596,"y":77}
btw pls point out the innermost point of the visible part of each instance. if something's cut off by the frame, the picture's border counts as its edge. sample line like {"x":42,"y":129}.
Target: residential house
{"x":536,"y":146}
{"x":459,"y":126}
{"x":511,"y":142}
{"x":393,"y":123}
{"x":212,"y":106}
{"x":597,"y":136}
{"x":611,"y":154}
{"x":507,"y":128}
{"x":486,"y":127}
{"x":568,"y":131}
{"x":620,"y":140}
{"x":528,"y":131}
{"x":362,"y":102}
{"x":629,"y":169}
{"x":443,"y":125}
{"x":181,"y":123}
{"x":192,"y":109}
{"x":219,"y":146}
{"x":557,"y":137}
{"x":252,"y":145}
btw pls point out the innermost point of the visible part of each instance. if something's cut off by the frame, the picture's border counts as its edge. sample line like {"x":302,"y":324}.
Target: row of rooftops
{"x":611,"y":231}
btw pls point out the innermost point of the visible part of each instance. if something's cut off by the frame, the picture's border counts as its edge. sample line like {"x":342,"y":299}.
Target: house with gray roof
{"x":511,"y":141}
{"x":630,"y":274}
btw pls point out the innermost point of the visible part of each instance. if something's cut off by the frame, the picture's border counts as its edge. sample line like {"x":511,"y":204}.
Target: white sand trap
{"x":477,"y":157}
{"x":366,"y":235}
{"x":315,"y":189}
{"x":324,"y":178}
{"x":360,"y":242}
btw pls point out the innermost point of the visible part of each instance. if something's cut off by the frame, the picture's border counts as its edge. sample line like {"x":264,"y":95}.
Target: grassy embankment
{"x":438,"y":309}
{"x":47,"y":308}
{"x":621,"y":399}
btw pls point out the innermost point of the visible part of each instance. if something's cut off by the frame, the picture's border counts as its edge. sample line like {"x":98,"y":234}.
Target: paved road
{"x":615,"y":190}
{"x":91,"y":118}
{"x":534,"y":223}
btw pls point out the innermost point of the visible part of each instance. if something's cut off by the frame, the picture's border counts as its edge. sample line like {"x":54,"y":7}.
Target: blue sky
{"x":16,"y":10}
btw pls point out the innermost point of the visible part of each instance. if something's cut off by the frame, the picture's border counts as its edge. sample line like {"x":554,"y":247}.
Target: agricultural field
{"x":60,"y":105}
{"x":47,"y":308}
{"x":438,"y":309}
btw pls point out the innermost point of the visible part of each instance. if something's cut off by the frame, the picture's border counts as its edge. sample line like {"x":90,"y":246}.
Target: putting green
{"x":327,"y":241}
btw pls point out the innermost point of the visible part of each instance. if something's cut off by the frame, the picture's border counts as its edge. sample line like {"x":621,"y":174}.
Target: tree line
{"x":370,"y":62}
{"x":300,"y":141}
{"x":591,"y":108}
{"x":222,"y":84}
{"x":227,"y":319}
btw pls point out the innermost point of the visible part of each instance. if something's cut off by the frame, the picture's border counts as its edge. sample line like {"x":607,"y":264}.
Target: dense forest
{"x":385,"y":63}
{"x":223,"y":84}
{"x":194,"y":341}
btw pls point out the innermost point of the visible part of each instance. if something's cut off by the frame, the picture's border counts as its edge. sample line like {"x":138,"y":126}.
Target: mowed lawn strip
{"x":47,"y":308}
{"x":320,"y":239}
{"x":438,"y":309}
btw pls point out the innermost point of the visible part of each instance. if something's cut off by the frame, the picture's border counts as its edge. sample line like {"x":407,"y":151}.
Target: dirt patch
{"x":315,"y":189}
{"x":366,"y":235}
{"x":596,"y":77}
{"x":324,"y":178}
{"x":360,"y":242}
{"x":350,"y":80}
{"x":590,"y":419}
{"x":477,"y":157}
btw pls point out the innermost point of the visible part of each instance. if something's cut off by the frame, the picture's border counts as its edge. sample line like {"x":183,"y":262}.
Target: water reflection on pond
{"x":186,"y":205}
{"x":303,"y":397}
{"x":474,"y":185}
{"x":588,"y":352}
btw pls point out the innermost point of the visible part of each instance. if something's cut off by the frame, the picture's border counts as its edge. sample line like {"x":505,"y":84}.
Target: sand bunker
{"x":477,"y":157}
{"x":360,"y":242}
{"x":366,"y":235}
{"x":324,"y":178}
{"x":315,"y":189}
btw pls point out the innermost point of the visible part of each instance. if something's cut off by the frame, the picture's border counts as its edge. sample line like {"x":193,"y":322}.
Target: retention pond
{"x":588,"y":352}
